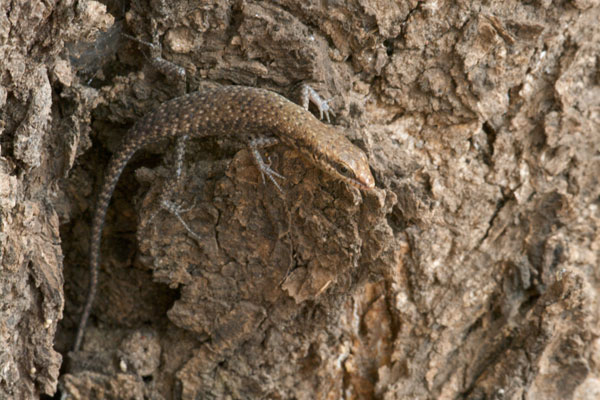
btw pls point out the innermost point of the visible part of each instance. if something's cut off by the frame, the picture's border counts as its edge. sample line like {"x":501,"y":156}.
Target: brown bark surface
{"x":471,"y":272}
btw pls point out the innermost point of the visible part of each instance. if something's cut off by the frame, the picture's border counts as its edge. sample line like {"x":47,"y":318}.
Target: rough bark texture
{"x":473,"y":271}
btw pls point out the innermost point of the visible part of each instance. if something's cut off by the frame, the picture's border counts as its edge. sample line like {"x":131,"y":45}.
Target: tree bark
{"x":471,"y":272}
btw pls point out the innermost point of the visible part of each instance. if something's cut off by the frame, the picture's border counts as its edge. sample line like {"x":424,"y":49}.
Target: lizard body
{"x":245,"y":114}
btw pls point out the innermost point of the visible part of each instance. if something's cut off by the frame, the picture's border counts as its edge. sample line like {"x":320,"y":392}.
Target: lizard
{"x":256,"y":117}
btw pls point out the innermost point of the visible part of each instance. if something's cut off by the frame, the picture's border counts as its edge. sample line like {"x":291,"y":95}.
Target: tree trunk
{"x":470,"y":272}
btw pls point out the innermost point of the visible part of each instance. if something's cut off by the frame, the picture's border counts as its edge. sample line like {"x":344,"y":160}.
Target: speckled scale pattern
{"x":244,"y":113}
{"x":230,"y":110}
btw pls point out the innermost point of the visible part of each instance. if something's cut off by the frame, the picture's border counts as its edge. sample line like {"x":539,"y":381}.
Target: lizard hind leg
{"x":169,"y":69}
{"x":179,"y":155}
{"x":169,"y":187}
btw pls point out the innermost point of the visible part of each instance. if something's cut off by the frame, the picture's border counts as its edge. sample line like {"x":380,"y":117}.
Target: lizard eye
{"x":343,"y":169}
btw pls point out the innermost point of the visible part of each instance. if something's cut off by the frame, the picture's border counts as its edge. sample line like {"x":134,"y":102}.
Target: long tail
{"x":115,"y":168}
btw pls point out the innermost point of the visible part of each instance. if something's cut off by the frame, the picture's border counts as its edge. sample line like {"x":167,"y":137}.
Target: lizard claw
{"x":176,"y":210}
{"x":308,"y":94}
{"x":265,"y":169}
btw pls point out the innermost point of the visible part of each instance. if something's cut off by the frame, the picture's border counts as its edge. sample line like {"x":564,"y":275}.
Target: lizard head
{"x":351,"y":165}
{"x":329,"y":149}
{"x":342,"y":159}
